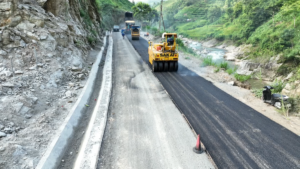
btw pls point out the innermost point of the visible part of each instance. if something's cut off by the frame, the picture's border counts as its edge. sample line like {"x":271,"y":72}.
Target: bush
{"x":220,"y":37}
{"x":224,"y":65}
{"x":278,"y":86}
{"x":179,"y":42}
{"x":207,"y":61}
{"x":242,"y":78}
{"x":258,"y":92}
{"x":217,"y":70}
{"x":229,"y":71}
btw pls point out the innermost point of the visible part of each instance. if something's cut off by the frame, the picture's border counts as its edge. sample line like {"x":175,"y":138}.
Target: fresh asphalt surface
{"x":235,"y":135}
{"x":144,"y":129}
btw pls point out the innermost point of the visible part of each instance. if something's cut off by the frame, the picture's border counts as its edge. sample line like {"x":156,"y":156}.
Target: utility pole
{"x":161,"y":16}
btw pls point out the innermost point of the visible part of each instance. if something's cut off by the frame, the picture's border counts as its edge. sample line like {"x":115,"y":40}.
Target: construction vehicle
{"x":164,"y":56}
{"x":128,"y":25}
{"x":128,"y":16}
{"x":135,"y":32}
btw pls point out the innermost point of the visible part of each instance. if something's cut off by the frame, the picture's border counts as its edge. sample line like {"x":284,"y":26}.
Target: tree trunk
{"x":294,"y":22}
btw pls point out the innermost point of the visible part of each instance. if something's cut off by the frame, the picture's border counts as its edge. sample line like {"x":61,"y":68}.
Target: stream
{"x":218,"y":57}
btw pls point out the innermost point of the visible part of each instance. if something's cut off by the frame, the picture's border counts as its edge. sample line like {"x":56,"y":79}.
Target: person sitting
{"x":170,"y":41}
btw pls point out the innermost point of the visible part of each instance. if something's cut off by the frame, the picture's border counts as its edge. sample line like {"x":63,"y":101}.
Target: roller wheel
{"x":160,"y":66}
{"x":166,"y":66}
{"x":171,"y":66}
{"x":175,"y":66}
{"x":154,"y":66}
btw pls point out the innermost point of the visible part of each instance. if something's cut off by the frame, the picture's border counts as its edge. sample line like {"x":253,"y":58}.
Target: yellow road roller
{"x":164,"y":56}
{"x":135,"y":32}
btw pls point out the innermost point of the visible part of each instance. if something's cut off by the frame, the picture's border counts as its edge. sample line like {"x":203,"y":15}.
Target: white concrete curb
{"x":56,"y":149}
{"x":90,"y":148}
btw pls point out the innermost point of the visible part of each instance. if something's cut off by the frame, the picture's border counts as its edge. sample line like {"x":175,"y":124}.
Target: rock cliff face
{"x":44,"y":61}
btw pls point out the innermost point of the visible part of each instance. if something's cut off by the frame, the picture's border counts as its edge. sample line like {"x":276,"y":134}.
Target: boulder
{"x":6,"y":37}
{"x":49,"y":43}
{"x":3,"y":53}
{"x":10,"y":85}
{"x":27,"y":26}
{"x":69,"y":94}
{"x":41,"y":2}
{"x":232,"y":83}
{"x":15,"y":21}
{"x":39,"y":22}
{"x":2,"y":134}
{"x":289,"y":76}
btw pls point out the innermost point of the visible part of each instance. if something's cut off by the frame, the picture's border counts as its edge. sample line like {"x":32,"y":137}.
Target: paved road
{"x":144,"y":128}
{"x":235,"y":135}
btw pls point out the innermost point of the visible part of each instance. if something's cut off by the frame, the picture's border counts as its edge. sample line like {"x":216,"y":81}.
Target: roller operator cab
{"x":164,"y":56}
{"x":135,"y":32}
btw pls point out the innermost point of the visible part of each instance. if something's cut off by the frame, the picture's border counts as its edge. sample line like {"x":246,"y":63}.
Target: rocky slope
{"x":44,"y":49}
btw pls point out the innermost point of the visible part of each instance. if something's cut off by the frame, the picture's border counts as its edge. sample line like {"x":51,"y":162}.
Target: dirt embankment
{"x":44,"y":62}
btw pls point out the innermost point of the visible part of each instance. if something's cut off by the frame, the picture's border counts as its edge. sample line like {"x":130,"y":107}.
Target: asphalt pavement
{"x":144,"y":130}
{"x":235,"y":135}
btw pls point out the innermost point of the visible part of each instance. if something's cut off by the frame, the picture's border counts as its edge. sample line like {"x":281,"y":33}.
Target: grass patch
{"x":207,"y":61}
{"x":217,"y":70}
{"x":224,"y":65}
{"x":258,"y":92}
{"x":229,"y":71}
{"x":242,"y":78}
{"x":278,"y":86}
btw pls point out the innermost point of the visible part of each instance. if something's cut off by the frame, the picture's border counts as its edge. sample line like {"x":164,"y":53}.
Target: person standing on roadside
{"x":123,"y":32}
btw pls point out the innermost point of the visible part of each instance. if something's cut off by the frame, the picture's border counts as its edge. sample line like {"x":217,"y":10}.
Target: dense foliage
{"x":144,"y":12}
{"x":112,"y":10}
{"x":271,"y":26}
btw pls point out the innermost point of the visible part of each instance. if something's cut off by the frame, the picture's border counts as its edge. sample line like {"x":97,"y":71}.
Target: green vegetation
{"x":144,"y":12}
{"x":242,"y":78}
{"x":230,"y":71}
{"x":224,"y":65}
{"x":258,"y":92}
{"x":271,"y":26}
{"x":278,"y":86}
{"x":112,"y":10}
{"x":207,"y":61}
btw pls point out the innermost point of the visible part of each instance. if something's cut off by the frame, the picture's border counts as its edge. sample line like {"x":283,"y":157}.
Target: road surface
{"x":144,"y":127}
{"x":235,"y":135}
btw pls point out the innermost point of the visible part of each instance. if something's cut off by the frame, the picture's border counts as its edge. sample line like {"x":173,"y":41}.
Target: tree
{"x":213,"y":13}
{"x":153,"y":15}
{"x":292,"y":10}
{"x":229,"y":12}
{"x":237,"y":9}
{"x":141,"y":11}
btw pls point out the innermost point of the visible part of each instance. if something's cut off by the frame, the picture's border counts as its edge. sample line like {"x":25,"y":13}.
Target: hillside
{"x":113,"y":10}
{"x":270,"y":26}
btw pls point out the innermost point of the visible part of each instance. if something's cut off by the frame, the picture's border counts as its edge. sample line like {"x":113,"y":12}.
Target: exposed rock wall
{"x":44,"y":63}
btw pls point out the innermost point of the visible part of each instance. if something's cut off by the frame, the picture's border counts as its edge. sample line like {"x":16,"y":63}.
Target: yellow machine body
{"x":135,"y":34}
{"x":164,"y":56}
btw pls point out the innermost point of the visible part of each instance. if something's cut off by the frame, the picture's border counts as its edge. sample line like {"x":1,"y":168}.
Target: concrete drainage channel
{"x":78,"y":141}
